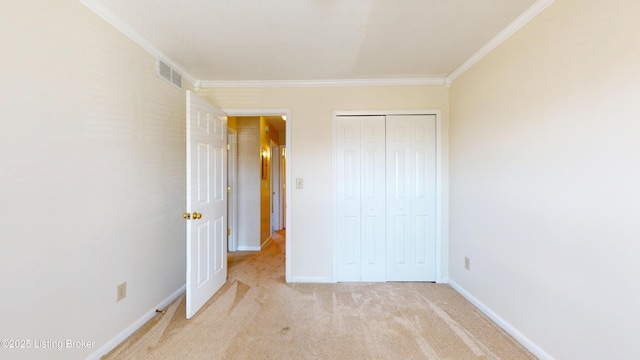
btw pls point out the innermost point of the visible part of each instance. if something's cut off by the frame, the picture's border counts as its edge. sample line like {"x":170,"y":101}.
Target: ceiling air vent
{"x":168,"y":73}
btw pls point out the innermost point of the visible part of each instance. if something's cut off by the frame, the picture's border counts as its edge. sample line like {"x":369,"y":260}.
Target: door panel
{"x":369,"y":240}
{"x":203,"y":232}
{"x":206,"y":196}
{"x":421,"y":231}
{"x":202,"y":175}
{"x":352,"y":240}
{"x":399,"y":233}
{"x":360,"y":197}
{"x":276,"y":185}
{"x":219,"y":253}
{"x":373,"y":199}
{"x":348,"y":195}
{"x":424,"y":199}
{"x":411,"y":150}
{"x":399,"y":229}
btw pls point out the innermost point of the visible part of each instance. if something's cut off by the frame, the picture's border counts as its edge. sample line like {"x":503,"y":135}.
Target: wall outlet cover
{"x":121,"y":291}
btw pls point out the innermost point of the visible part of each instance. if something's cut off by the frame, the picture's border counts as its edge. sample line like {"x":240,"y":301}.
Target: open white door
{"x":206,"y":202}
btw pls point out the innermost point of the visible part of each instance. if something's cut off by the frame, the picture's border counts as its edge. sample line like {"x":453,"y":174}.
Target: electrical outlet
{"x":467,"y":263}
{"x":122,"y":291}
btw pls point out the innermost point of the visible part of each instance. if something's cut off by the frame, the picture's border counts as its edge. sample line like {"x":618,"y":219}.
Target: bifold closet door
{"x":410,"y":195}
{"x":360,"y":198}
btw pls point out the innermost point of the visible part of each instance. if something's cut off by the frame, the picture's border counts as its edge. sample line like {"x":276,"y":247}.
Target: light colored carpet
{"x":256,"y":315}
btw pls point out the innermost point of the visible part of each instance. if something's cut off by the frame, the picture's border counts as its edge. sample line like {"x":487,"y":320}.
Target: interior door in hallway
{"x":206,"y":202}
{"x":276,"y":185}
{"x":411,"y":197}
{"x":360,"y":207}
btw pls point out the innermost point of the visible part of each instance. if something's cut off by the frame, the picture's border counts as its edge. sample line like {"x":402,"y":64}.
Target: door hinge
{"x":228,"y":189}
{"x":228,"y":146}
{"x":228,"y":232}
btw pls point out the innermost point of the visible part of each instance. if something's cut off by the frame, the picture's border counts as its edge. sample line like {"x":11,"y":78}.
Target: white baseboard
{"x":508,"y":328}
{"x":124,"y":334}
{"x":249,"y":248}
{"x":309,"y":279}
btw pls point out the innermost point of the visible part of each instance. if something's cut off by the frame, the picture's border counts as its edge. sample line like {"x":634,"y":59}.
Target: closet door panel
{"x":348,"y":197}
{"x":424,"y":197}
{"x":360,"y":198}
{"x":400,"y":239}
{"x":385,"y":198}
{"x":373,"y":199}
{"x":411,"y":196}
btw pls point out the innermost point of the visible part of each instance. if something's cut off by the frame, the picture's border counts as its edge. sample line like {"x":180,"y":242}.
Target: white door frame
{"x":442,"y":221}
{"x":288,"y":122}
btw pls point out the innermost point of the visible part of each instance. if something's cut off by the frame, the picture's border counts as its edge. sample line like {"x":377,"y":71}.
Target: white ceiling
{"x":215,"y":40}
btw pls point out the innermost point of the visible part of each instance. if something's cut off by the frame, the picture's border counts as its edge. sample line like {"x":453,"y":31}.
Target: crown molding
{"x":106,"y":14}
{"x":533,"y":11}
{"x":320,"y":83}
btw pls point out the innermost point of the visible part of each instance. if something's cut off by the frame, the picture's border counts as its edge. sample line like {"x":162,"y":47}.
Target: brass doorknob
{"x":197,"y":215}
{"x":186,"y":216}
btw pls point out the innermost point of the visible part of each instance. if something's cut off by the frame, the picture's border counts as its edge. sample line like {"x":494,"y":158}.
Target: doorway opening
{"x":257,"y":178}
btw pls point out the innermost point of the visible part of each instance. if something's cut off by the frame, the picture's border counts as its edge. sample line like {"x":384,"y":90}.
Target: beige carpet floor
{"x":257,"y":315}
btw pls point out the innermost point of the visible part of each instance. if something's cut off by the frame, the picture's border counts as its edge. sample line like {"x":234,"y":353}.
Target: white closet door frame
{"x":442,"y":243}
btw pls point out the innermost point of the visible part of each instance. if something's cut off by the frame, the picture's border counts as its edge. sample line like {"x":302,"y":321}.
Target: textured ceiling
{"x":318,"y":39}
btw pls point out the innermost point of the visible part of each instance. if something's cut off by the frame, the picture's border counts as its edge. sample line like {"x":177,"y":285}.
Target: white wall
{"x":544,"y":190}
{"x":309,"y":155}
{"x":249,"y":181}
{"x":92,"y":184}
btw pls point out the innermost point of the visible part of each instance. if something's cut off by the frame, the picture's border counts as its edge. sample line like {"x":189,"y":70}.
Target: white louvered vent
{"x":176,"y":78}
{"x":168,"y":73}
